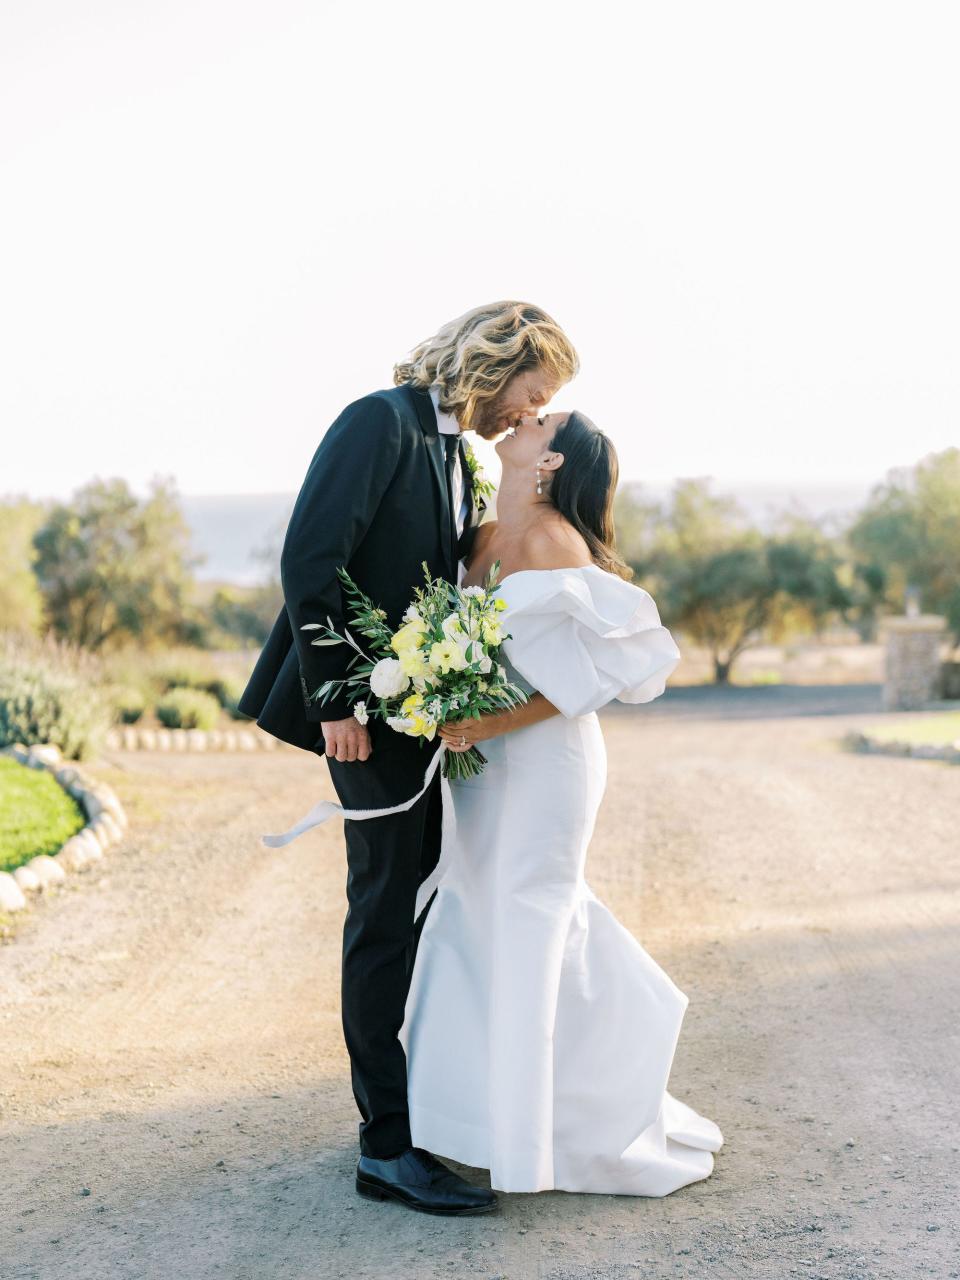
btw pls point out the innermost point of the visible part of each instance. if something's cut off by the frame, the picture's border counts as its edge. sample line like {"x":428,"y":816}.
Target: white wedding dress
{"x":539,"y":1034}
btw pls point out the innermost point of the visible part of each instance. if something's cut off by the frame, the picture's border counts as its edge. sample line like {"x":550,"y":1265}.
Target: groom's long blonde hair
{"x":474,"y":357}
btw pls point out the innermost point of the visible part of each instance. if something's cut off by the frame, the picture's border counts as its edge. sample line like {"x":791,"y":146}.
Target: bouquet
{"x":441,"y":664}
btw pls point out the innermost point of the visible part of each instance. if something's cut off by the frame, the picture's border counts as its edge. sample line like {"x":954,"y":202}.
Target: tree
{"x":725,"y":584}
{"x":21,"y":605}
{"x":908,"y":536}
{"x":113,"y":568}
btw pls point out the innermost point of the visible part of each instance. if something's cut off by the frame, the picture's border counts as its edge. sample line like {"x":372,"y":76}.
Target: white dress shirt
{"x":447,"y":425}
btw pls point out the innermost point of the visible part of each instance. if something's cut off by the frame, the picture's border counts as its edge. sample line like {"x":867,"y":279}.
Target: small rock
{"x":11,"y":895}
{"x":148,"y":740}
{"x":91,"y":805}
{"x":932,"y":1226}
{"x":178,"y":739}
{"x":84,"y":1191}
{"x":196,"y":740}
{"x":47,"y":870}
{"x":131,"y":738}
{"x":73,"y":856}
{"x":28,"y":880}
{"x":887,"y":1159}
{"x":48,"y":755}
{"x":93,"y":845}
{"x":247,"y":742}
{"x":113,"y":740}
{"x":111,"y":826}
{"x":214,"y":739}
{"x":66,"y":776}
{"x":163,"y":739}
{"x":103,"y":833}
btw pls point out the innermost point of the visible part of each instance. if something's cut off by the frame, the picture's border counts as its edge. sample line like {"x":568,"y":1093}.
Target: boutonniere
{"x":483,"y":489}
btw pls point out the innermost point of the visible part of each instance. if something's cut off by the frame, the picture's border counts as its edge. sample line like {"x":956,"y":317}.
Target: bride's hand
{"x":461,"y":735}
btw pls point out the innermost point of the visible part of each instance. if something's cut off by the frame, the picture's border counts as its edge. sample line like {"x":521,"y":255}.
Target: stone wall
{"x":912,"y":658}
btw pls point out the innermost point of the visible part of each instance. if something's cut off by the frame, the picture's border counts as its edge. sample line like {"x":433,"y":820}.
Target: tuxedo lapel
{"x":437,"y":456}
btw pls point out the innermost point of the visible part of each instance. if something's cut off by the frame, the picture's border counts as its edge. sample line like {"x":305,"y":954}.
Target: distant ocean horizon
{"x":230,"y":530}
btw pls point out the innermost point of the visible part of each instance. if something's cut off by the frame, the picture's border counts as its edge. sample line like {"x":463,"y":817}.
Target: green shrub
{"x":36,"y":814}
{"x":189,"y":709}
{"x":184,"y":673}
{"x":49,"y":693}
{"x":228,"y":690}
{"x":128,"y":702}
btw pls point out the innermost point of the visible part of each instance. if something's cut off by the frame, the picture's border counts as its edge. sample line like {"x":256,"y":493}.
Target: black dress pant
{"x":387,"y":859}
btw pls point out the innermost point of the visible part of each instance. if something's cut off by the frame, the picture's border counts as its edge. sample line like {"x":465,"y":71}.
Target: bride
{"x":539,"y":1034}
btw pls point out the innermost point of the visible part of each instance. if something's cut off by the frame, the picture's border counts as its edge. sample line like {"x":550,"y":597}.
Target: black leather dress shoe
{"x":418,"y":1180}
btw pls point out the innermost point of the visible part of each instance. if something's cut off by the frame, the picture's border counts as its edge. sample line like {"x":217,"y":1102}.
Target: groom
{"x":388,"y":488}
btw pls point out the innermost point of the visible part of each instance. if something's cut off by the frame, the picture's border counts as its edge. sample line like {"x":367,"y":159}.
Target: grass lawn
{"x":938,"y":728}
{"x":36,"y":814}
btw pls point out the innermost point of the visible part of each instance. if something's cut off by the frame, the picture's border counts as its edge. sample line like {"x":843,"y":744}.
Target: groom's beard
{"x":487,"y":422}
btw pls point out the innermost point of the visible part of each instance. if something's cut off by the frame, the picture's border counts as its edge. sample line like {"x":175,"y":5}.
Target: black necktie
{"x":451,"y":444}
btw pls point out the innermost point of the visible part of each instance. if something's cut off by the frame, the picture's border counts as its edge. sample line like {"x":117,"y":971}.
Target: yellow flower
{"x":446,"y":656}
{"x":492,"y":632}
{"x":499,"y":605}
{"x":409,"y":636}
{"x":419,"y":724}
{"x":413,"y":662}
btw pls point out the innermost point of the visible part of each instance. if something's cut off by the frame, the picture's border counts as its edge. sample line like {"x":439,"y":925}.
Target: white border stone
{"x":106,"y":823}
{"x":914,"y":750}
{"x":130,"y":738}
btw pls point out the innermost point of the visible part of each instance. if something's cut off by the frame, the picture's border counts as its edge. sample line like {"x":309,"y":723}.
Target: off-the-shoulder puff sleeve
{"x":583,"y":637}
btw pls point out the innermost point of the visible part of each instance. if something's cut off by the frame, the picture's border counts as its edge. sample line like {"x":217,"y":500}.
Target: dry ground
{"x":174,"y":1088}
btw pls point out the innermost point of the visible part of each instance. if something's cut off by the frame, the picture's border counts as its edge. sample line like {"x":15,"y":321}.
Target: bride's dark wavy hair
{"x":584,"y":488}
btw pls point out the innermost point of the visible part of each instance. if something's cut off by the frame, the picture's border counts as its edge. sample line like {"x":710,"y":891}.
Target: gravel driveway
{"x":174,"y":1091}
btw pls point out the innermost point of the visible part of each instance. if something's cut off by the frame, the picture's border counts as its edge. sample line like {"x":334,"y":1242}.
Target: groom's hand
{"x":346,"y":740}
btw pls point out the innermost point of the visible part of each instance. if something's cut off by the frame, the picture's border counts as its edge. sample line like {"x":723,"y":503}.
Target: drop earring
{"x":539,"y":484}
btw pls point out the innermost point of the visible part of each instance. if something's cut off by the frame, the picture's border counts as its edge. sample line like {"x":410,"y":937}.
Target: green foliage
{"x":725,"y":584}
{"x":228,"y":690}
{"x":153,"y":675}
{"x":243,"y":616}
{"x":184,"y":670}
{"x":908,"y":537}
{"x":36,"y":814}
{"x":21,"y":605}
{"x":128,"y":703}
{"x":113,"y":568}
{"x":188,"y":709}
{"x":50,"y":694}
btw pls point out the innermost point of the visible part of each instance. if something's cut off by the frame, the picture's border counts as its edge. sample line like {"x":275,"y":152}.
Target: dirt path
{"x":174,"y":1089}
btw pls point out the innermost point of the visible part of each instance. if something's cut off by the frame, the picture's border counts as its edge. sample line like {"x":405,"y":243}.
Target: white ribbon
{"x":326,"y":809}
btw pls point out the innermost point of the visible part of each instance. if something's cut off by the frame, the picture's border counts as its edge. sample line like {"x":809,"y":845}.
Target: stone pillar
{"x":912,"y":660}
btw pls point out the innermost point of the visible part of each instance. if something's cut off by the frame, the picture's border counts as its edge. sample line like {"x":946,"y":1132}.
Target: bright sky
{"x":224,"y":220}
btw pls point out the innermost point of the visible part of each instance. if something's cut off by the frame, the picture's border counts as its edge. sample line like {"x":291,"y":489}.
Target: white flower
{"x":452,"y":627}
{"x":486,"y":664}
{"x":501,"y":672}
{"x":412,"y":615}
{"x":399,"y":723}
{"x":387,"y":678}
{"x":435,"y":708}
{"x":475,"y":591}
{"x":360,"y":712}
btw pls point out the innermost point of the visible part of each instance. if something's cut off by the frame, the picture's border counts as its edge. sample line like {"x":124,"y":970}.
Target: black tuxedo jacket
{"x":375,"y":500}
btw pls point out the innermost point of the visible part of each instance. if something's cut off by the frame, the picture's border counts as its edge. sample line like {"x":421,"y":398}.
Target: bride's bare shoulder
{"x":555,"y":544}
